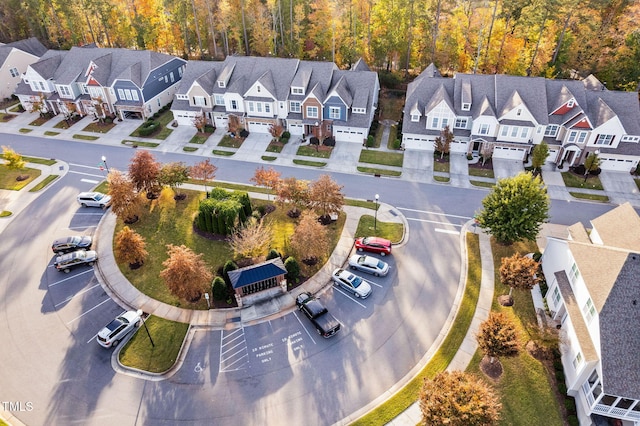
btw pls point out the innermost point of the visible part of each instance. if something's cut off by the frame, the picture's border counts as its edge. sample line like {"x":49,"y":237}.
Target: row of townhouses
{"x":508,"y":115}
{"x":505,"y":116}
{"x":594,"y":295}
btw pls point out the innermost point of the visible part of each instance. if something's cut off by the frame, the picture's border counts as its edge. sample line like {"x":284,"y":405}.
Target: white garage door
{"x":509,"y":153}
{"x":296,"y":129}
{"x":617,"y":164}
{"x":258,"y":126}
{"x":458,"y":146}
{"x":221,"y":122}
{"x":184,"y":118}
{"x":417,"y":143}
{"x":349,"y":135}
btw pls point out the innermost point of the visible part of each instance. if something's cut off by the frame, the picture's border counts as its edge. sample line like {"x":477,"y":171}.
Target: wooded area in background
{"x":550,"y":38}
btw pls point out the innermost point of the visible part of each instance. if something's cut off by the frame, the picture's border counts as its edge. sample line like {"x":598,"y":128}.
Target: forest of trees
{"x":551,"y":38}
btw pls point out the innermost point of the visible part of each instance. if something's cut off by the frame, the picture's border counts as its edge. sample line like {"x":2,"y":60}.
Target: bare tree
{"x":204,"y":171}
{"x":144,"y":171}
{"x":486,"y":152}
{"x":252,"y":240}
{"x":130,"y":247}
{"x":325,"y":195}
{"x":125,"y":200}
{"x":519,"y":272}
{"x":310,"y":240}
{"x":200,"y":121}
{"x":185,"y":273}
{"x":458,"y":399}
{"x":497,"y":336}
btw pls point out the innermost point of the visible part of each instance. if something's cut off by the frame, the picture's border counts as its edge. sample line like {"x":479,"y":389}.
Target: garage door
{"x":221,"y":122}
{"x":617,"y":164}
{"x":296,"y":129}
{"x":509,"y":153}
{"x":258,"y":126}
{"x":417,"y":143}
{"x":184,"y":118}
{"x":348,"y":135}
{"x":458,"y":146}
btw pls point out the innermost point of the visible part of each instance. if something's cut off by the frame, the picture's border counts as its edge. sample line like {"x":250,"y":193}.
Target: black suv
{"x":67,"y":261}
{"x":68,"y":244}
{"x":326,"y":324}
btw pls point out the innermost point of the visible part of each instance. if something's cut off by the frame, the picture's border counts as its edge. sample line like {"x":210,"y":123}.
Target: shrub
{"x":562,"y":388}
{"x":156,"y":115}
{"x":570,"y":405}
{"x":244,"y":133}
{"x":579,"y":169}
{"x":397,"y":144}
{"x":314,"y":141}
{"x":370,"y":141}
{"x":329,"y":142}
{"x":283,"y":140}
{"x":285,"y":135}
{"x":573,"y":420}
{"x":389,"y":79}
{"x":560,"y":376}
{"x":293,"y":269}
{"x":219,"y":289}
{"x":208,"y":128}
{"x":273,"y":254}
{"x":229,"y":265}
{"x":148,"y":127}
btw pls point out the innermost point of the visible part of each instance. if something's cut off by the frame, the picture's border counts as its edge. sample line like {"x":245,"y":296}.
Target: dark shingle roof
{"x":31,"y":46}
{"x":252,"y":274}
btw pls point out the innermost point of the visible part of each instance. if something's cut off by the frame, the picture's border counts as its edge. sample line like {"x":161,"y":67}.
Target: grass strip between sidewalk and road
{"x":384,"y":158}
{"x":592,"y":197}
{"x":447,"y":350}
{"x":374,"y":171}
{"x":44,"y":183}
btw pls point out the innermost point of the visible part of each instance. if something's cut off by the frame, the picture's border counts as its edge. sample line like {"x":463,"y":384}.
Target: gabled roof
{"x":341,"y":88}
{"x":266,"y":80}
{"x":439,"y":96}
{"x":255,"y":273}
{"x":31,"y":46}
{"x":623,"y":104}
{"x":360,"y":65}
{"x":485,"y":108}
{"x":512,"y":102}
{"x":606,"y":228}
{"x":530,"y":89}
{"x":592,"y":83}
{"x":48,"y":63}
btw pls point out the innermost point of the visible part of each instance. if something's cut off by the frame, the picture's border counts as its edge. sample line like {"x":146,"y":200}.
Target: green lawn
{"x":268,"y":158}
{"x":572,"y":180}
{"x":229,"y":142}
{"x":391,"y":103}
{"x":314,"y":151}
{"x":222,"y":153}
{"x":44,"y":183}
{"x":162,"y":132}
{"x":275,"y":146}
{"x":139,"y":143}
{"x":309,"y":163}
{"x":167,"y":338}
{"x":476,"y":171}
{"x":8,"y":177}
{"x":383,"y":172}
{"x":381,"y":157}
{"x":25,"y":130}
{"x":50,"y":133}
{"x":40,"y":120}
{"x":64,"y":124}
{"x":98,"y":127}
{"x":200,"y":138}
{"x":85,"y":137}
{"x":36,"y":160}
{"x":391,"y":231}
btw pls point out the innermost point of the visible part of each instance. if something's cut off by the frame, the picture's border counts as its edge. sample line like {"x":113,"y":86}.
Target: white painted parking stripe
{"x":89,"y":181}
{"x":82,"y":165}
{"x":82,"y":227}
{"x":434,"y":221}
{"x":433,"y":213}
{"x":92,"y":339}
{"x":71,"y":297}
{"x":447,"y":231}
{"x":80,"y":316}
{"x":67,"y":279}
{"x":304,"y":328}
{"x":85,"y":174}
{"x":376,"y":284}
{"x":348,"y":295}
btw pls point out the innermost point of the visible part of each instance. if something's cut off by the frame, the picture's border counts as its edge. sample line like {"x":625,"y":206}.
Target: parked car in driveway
{"x":68,"y":261}
{"x":68,"y":244}
{"x":322,"y":320}
{"x":374,"y":245}
{"x":94,"y":199}
{"x":352,"y":283}
{"x":369,"y":264}
{"x":117,"y":329}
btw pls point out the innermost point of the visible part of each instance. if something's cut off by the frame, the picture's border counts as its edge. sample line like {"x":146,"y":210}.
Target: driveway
{"x":503,"y":168}
{"x":620,"y":187}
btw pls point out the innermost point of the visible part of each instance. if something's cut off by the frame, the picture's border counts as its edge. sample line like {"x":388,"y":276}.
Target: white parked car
{"x":369,"y":264}
{"x":351,"y":282}
{"x":94,"y":199}
{"x":116,"y":330}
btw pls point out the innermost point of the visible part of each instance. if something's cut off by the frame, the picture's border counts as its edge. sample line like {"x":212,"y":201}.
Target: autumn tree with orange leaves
{"x":185,"y":273}
{"x":310,"y":241}
{"x":130,"y":247}
{"x":269,"y":178}
{"x":203,"y":171}
{"x":325,"y":196}
{"x":144,"y":172}
{"x":125,"y":200}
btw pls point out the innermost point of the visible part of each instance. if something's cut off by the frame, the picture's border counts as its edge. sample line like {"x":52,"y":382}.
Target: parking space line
{"x":67,"y":279}
{"x":295,"y":314}
{"x":80,"y":316}
{"x":348,"y":296}
{"x":93,"y":338}
{"x":376,"y":284}
{"x":81,"y":227}
{"x":447,"y":231}
{"x":236,"y":361}
{"x":225,"y":352}
{"x":433,"y":213}
{"x":86,"y":174}
{"x":89,"y":181}
{"x":226,"y":358}
{"x":71,"y":297}
{"x":84,"y":166}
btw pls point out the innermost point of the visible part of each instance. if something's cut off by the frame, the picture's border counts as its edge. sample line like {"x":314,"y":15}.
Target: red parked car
{"x":374,"y":245}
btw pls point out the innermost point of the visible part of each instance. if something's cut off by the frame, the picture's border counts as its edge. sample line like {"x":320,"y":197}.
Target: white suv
{"x":117,"y":329}
{"x":94,"y":199}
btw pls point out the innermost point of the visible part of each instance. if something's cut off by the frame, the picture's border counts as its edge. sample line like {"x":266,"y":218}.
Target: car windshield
{"x":356,"y":281}
{"x":380,"y":264}
{"x":362,"y":259}
{"x":114,"y":324}
{"x":81,"y":254}
{"x":366,"y":241}
{"x":74,"y":240}
{"x":99,"y":196}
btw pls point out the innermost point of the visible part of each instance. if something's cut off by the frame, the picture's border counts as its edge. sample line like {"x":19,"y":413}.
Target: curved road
{"x":276,"y":372}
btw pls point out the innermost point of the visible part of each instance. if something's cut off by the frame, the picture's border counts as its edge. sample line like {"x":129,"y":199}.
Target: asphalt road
{"x":276,"y":372}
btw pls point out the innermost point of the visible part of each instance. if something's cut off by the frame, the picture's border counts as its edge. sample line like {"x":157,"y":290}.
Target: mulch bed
{"x":8,"y":117}
{"x":491,"y":370}
{"x":478,"y":165}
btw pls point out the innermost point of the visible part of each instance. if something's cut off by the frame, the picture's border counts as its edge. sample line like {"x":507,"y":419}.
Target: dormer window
{"x":415,"y":117}
{"x":570,"y":103}
{"x":297,"y":90}
{"x":466,"y":106}
{"x":221,"y":84}
{"x":551,"y":130}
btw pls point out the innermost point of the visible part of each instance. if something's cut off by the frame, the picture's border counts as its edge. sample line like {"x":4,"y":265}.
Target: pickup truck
{"x":324,"y":322}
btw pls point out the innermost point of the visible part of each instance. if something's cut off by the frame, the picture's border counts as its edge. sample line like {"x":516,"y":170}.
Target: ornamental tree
{"x":458,"y":399}
{"x":252,"y":240}
{"x":125,"y":200}
{"x":515,"y":209}
{"x":204,"y":171}
{"x":185,"y":273}
{"x":144,"y":171}
{"x":443,"y":142}
{"x":325,"y":195}
{"x":13,"y":159}
{"x":497,"y":336}
{"x":294,"y":191}
{"x":174,"y":174}
{"x":518,"y":272}
{"x":130,"y":247}
{"x":310,"y":239}
{"x":268,"y":178}
{"x":539,"y":156}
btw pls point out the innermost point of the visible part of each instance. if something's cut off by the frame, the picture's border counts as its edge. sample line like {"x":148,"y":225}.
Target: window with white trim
{"x":434,"y":122}
{"x":121,"y":94}
{"x":172,"y":77}
{"x":297,"y":90}
{"x":200,"y":101}
{"x":556,"y":296}
{"x":514,"y":131}
{"x":166,"y":79}
{"x":570,"y":103}
{"x":267,"y":107}
{"x":219,"y":99}
{"x":483,"y":129}
{"x":14,"y":72}
{"x":466,"y":107}
{"x":258,"y":88}
{"x":259,"y":106}
{"x":234,"y":104}
{"x":359,"y":110}
{"x":415,"y":117}
{"x":127,"y":94}
{"x":504,"y":130}
{"x":134,"y":95}
{"x":64,"y":90}
{"x":582,"y":136}
{"x":572,"y":136}
{"x":577,"y":361}
{"x":312,"y":112}
{"x":84,"y":89}
{"x":574,"y":274}
{"x":294,"y":106}
{"x":589,"y":311}
{"x":519,"y":112}
{"x":604,"y":140}
{"x":627,"y":138}
{"x":445,"y":122}
{"x":461,"y":123}
{"x":182,"y":97}
{"x":221,"y":84}
{"x":551,"y":130}
{"x":334,"y":113}
{"x":524,"y":132}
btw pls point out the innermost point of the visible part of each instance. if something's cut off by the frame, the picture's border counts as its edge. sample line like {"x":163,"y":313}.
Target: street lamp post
{"x":375,"y":214}
{"x":145,"y":326}
{"x":104,"y":161}
{"x":588,"y":171}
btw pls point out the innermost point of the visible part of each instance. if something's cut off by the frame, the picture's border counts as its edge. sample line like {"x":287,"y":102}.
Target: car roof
{"x":378,"y":240}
